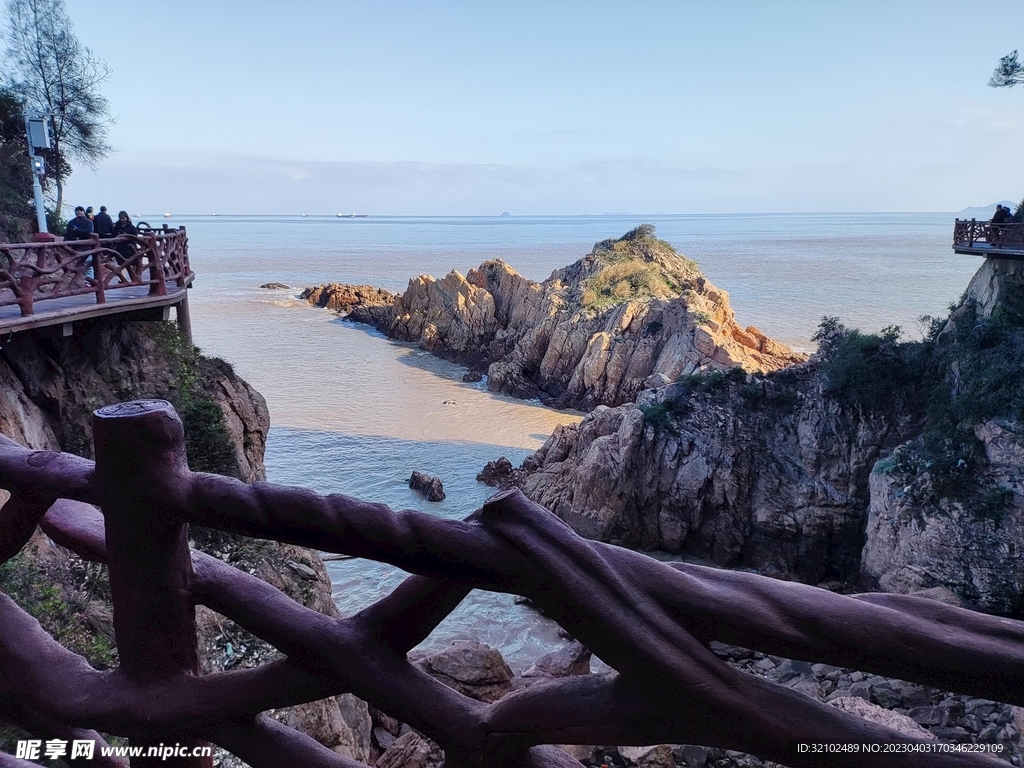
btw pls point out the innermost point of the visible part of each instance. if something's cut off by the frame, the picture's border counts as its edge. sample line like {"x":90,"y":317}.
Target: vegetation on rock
{"x":965,"y":372}
{"x":207,"y":442}
{"x":636,"y":266}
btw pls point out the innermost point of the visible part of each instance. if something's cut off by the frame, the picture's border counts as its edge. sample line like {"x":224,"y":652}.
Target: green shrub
{"x":873,"y":372}
{"x":659,"y":414}
{"x":954,"y":387}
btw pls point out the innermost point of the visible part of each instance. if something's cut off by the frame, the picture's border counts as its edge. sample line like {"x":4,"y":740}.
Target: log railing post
{"x":142,"y":475}
{"x":98,"y":270}
{"x":158,"y":285}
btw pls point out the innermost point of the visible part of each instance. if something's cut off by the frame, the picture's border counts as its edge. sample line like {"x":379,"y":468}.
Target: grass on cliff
{"x":630,"y":270}
{"x":70,"y":599}
{"x":207,"y":442}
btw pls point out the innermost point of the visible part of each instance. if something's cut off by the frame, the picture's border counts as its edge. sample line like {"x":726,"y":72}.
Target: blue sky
{"x":549,"y":108}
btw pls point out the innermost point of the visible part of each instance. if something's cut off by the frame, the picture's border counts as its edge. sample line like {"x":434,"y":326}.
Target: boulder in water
{"x":431,"y":487}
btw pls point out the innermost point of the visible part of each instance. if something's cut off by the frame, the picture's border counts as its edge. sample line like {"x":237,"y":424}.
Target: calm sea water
{"x":354,"y":413}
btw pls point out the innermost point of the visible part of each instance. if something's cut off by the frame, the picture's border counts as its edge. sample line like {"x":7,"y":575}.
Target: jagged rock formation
{"x":629,"y":315}
{"x":782,"y":473}
{"x":344,"y":299}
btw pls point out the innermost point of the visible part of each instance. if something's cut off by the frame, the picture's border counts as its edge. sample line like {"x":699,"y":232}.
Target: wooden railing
{"x":34,"y":272}
{"x":968,"y":233}
{"x":652,"y":621}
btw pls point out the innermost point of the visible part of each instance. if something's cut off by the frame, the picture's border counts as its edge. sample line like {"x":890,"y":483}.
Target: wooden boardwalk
{"x":60,"y":283}
{"x":69,"y":309}
{"x":993,"y":241}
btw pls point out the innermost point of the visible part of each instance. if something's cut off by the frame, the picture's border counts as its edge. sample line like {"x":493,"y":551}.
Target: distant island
{"x":984,"y":211}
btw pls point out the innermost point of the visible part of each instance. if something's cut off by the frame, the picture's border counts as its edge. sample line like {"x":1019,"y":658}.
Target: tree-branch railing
{"x":651,"y":621}
{"x":35,"y":272}
{"x":969,"y":232}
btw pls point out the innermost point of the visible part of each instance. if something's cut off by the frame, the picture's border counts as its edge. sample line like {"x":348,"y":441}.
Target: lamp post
{"x":37,"y":129}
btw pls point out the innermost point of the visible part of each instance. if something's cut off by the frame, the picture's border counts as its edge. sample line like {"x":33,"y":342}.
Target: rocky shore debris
{"x":431,"y":487}
{"x":276,"y":286}
{"x":479,"y":671}
{"x":631,"y":314}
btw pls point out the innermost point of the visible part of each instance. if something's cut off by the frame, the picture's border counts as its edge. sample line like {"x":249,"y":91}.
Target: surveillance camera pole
{"x":37,"y":131}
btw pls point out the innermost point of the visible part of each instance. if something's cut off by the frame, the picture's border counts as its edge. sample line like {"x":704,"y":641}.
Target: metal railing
{"x":650,"y":620}
{"x":34,"y":272}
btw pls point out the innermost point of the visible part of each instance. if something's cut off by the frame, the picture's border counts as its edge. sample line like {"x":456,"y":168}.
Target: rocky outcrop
{"x":778,"y":472}
{"x":430,"y":487}
{"x":344,"y":299}
{"x":629,"y":315}
{"x":768,"y":473}
{"x":919,"y":540}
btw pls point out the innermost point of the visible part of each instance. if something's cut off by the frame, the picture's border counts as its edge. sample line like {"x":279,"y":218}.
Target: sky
{"x":474,"y":108}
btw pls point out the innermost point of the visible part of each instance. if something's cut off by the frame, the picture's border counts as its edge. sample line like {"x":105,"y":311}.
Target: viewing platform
{"x":60,"y":283}
{"x":994,"y":241}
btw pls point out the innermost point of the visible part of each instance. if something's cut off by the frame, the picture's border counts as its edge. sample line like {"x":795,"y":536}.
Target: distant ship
{"x":167,"y":215}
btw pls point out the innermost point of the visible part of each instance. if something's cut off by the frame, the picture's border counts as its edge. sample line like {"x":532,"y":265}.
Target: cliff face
{"x":631,"y":314}
{"x":917,"y":540}
{"x":768,"y":474}
{"x":50,"y":385}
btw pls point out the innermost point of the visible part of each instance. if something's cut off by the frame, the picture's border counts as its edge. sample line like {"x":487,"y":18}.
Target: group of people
{"x":85,"y":224}
{"x":999,"y":218}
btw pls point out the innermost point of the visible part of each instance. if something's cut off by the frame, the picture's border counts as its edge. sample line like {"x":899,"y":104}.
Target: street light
{"x":37,"y":129}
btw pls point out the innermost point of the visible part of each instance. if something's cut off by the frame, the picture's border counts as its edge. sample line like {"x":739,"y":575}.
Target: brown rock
{"x":781,"y":487}
{"x":471,"y":668}
{"x":344,"y":298}
{"x":659,"y":756}
{"x":572,"y":659}
{"x":917,"y":541}
{"x":496,"y":473}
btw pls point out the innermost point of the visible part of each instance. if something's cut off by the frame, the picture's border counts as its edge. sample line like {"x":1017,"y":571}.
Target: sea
{"x":355,"y":413}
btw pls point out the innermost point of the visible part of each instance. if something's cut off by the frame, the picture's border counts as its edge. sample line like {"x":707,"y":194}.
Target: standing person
{"x":999,"y":217}
{"x":79,"y":228}
{"x":102,"y":224}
